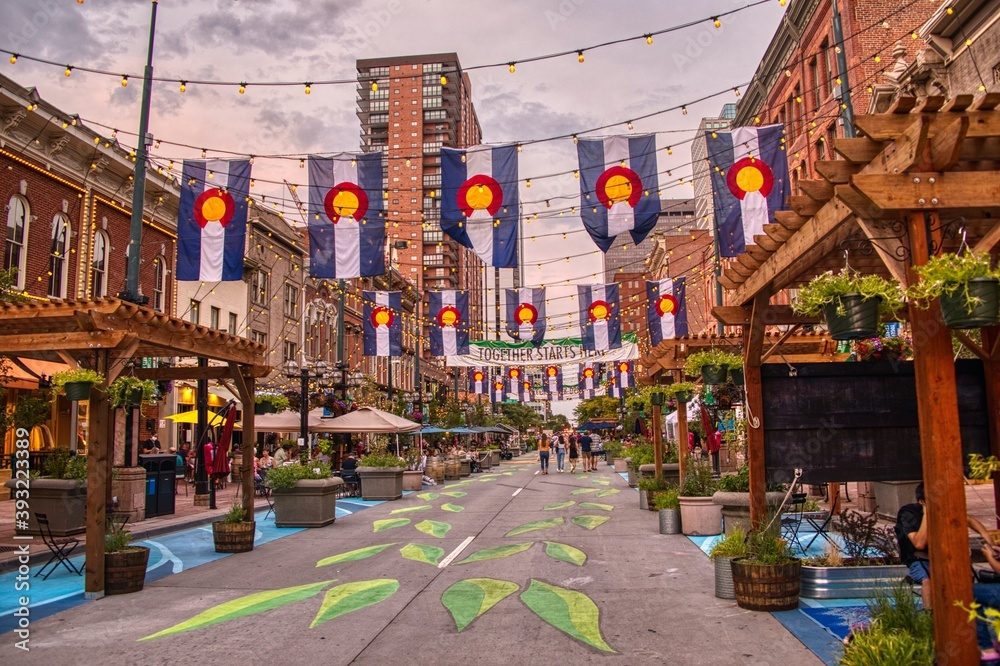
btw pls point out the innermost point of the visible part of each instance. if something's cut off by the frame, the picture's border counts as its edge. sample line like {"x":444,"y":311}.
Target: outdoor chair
{"x":61,"y":549}
{"x":791,"y":520}
{"x":352,"y":483}
{"x":180,"y":479}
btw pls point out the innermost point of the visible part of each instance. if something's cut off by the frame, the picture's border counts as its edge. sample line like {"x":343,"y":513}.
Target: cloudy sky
{"x":310,"y":40}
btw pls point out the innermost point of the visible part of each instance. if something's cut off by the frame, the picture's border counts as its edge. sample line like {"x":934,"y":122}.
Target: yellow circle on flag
{"x":345,"y":203}
{"x":213,"y":208}
{"x":599,"y":311}
{"x":479,"y":197}
{"x":382,"y":318}
{"x":618,"y":188}
{"x":750,"y":179}
{"x":449,"y":317}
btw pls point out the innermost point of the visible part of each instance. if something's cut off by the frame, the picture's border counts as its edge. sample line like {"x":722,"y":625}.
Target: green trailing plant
{"x":949,"y":274}
{"x":981,"y":468}
{"x":828,"y":288}
{"x":326,"y":446}
{"x":120,"y":391}
{"x":733,"y":544}
{"x":698,"y":481}
{"x":61,"y":464}
{"x":710,"y":357}
{"x":31,"y":411}
{"x":653,"y":484}
{"x":76,"y":375}
{"x":668,"y":499}
{"x":285,"y":477}
{"x":900,"y":632}
{"x":736,"y":483}
{"x":380,"y":459}
{"x":276,"y":401}
{"x":236,"y":514}
{"x":690,"y":388}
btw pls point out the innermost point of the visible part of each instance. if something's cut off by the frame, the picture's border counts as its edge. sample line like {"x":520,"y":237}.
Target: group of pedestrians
{"x":577,"y":446}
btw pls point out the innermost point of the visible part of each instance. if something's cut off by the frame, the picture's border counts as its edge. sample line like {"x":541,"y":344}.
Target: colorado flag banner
{"x":614,"y":390}
{"x":346,"y":216}
{"x":666,"y":311}
{"x":623,"y":374}
{"x":525,"y":393}
{"x":514,"y":378}
{"x":212,"y":220}
{"x":383,"y":327}
{"x":554,"y":382}
{"x":478,"y":381}
{"x":600,"y":326}
{"x":749,"y":182}
{"x":479,"y":201}
{"x":526,"y":314}
{"x":619,"y":190}
{"x":497,"y":394}
{"x":450,"y":330}
{"x":589,"y":379}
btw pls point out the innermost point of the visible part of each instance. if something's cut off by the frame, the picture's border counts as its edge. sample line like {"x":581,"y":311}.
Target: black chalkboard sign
{"x":858,"y":421}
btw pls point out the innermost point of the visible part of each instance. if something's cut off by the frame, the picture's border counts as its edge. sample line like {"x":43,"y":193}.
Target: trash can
{"x":161,"y":477}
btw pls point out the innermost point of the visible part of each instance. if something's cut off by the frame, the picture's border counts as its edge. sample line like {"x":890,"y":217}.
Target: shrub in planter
{"x":969,"y":289}
{"x":699,"y":514}
{"x":850,"y":302}
{"x":76,"y":383}
{"x":713,"y":365}
{"x":129,"y":391}
{"x":381,"y":476}
{"x":669,"y":507}
{"x":651,"y":488}
{"x":124,"y":564}
{"x":900,"y":632}
{"x":304,"y":495}
{"x":61,"y":494}
{"x":734,"y":545}
{"x":768,"y":578}
{"x":234,"y":533}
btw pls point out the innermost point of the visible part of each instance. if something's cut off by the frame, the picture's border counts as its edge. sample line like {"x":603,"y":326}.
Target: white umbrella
{"x":287,"y":421}
{"x":367,"y":420}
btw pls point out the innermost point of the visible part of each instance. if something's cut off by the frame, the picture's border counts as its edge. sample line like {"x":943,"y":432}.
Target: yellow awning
{"x":191,"y":416}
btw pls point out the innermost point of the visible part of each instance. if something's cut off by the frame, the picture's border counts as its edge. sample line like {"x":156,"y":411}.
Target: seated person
{"x":350,"y":464}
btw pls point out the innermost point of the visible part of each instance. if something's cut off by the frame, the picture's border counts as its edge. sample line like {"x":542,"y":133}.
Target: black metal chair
{"x":61,"y":549}
{"x":791,"y":520}
{"x":352,"y":483}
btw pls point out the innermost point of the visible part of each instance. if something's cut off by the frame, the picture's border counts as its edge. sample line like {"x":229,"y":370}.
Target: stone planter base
{"x":736,"y":508}
{"x":671,"y":472}
{"x":412,"y":479}
{"x":891,"y":496}
{"x":381,"y":483}
{"x":128,"y":484}
{"x":850,"y":582}
{"x":310,"y":503}
{"x":700,"y":516}
{"x":64,"y":503}
{"x":620,"y":465}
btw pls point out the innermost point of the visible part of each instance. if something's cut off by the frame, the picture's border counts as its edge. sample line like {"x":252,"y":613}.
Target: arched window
{"x":58,"y":265}
{"x":99,"y":266}
{"x":15,"y":254}
{"x":159,"y":282}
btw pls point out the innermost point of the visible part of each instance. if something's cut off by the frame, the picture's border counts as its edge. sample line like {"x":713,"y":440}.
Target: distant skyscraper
{"x":624,"y":256}
{"x":704,"y":207}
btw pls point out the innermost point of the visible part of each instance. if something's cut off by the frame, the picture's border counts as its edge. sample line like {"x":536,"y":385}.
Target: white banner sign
{"x":500,"y":354}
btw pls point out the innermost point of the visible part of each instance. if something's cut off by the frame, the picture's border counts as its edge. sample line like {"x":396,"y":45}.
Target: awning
{"x":191,"y":416}
{"x":23,"y":373}
{"x":368,"y":419}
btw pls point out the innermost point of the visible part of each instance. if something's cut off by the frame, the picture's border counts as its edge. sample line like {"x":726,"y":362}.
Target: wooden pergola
{"x":920,"y":179}
{"x":106,"y":335}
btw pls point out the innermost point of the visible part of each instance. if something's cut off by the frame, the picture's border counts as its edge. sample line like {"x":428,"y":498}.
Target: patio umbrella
{"x":368,"y":420}
{"x":462,"y":430}
{"x":288,"y":421}
{"x":429,"y":430}
{"x":192,"y":417}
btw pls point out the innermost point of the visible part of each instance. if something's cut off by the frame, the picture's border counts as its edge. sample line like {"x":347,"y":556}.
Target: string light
{"x":204,"y":153}
{"x":579,"y":56}
{"x":511,"y":67}
{"x":629,"y":126}
{"x":13,"y":58}
{"x":183,"y":86}
{"x":444,"y":80}
{"x":243,"y":88}
{"x":68,"y":71}
{"x":124,"y":80}
{"x":374,"y":86}
{"x":302,"y":164}
{"x":308,"y":89}
{"x":716,"y":22}
{"x":649,"y":39}
{"x":684,"y":110}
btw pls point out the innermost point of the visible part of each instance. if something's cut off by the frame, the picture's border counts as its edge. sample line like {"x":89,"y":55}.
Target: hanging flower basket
{"x":978,"y":308}
{"x":76,"y":383}
{"x":736,"y":376}
{"x":856,"y":317}
{"x":77,"y":391}
{"x":713,"y":374}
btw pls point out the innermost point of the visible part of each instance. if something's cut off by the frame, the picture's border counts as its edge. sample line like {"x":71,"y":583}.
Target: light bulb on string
{"x":374,"y":86}
{"x":716,"y":22}
{"x":579,"y":56}
{"x":243,"y":88}
{"x":629,"y":126}
{"x":124,"y":80}
{"x":183,"y":87}
{"x":444,"y":80}
{"x":684,"y":110}
{"x":13,"y":59}
{"x":511,"y":67}
{"x":649,"y":39}
{"x":68,"y":71}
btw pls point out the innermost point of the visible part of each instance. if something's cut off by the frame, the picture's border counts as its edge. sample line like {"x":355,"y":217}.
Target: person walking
{"x":574,"y":454}
{"x":560,"y":445}
{"x":543,"y":453}
{"x":585,"y":444}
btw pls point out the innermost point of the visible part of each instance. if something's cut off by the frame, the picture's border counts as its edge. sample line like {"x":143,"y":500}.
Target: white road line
{"x":455,"y":553}
{"x":516,"y":492}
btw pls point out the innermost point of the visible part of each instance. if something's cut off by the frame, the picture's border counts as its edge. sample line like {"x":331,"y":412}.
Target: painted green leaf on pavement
{"x":468,"y":599}
{"x":565,"y":553}
{"x":608,"y":493}
{"x":507,"y":473}
{"x":455,"y":493}
{"x":597,"y":505}
{"x":497,"y":553}
{"x":433,"y":528}
{"x":352,"y":555}
{"x":389,"y":523}
{"x":569,"y":611}
{"x":410,"y":509}
{"x":351,"y":597}
{"x":419,"y":552}
{"x":590,"y":522}
{"x":250,"y":604}
{"x":428,"y":497}
{"x":536,"y":525}
{"x":559,"y":505}
{"x":454,"y":508}
{"x":601,"y":482}
{"x":584,"y":491}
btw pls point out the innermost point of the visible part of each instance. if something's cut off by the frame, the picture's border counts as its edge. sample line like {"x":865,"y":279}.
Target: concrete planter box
{"x":700,"y":516}
{"x":890,"y":496}
{"x":849,"y":582}
{"x":620,"y":465}
{"x":671,"y":472}
{"x":310,"y":503}
{"x":736,"y":508}
{"x":381,"y":483}
{"x":633,"y":473}
{"x":412,"y":479}
{"x":643,"y":500}
{"x":63,"y":501}
{"x":495,"y":458}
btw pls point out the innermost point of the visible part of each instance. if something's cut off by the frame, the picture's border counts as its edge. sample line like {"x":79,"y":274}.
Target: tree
{"x":520,"y":416}
{"x":601,"y":407}
{"x":557,"y":423}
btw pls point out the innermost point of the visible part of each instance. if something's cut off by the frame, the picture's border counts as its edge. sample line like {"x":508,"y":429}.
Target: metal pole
{"x":388,"y":380}
{"x":847,"y":108}
{"x":139,"y":182}
{"x":340,"y":325}
{"x":304,"y":407}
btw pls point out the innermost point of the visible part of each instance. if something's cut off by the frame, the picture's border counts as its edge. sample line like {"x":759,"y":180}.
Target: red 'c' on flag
{"x":382,"y":316}
{"x":214,"y":205}
{"x":481,"y":192}
{"x":619,"y":184}
{"x":449,"y":316}
{"x":345,"y":200}
{"x":666,"y":304}
{"x":749,"y":175}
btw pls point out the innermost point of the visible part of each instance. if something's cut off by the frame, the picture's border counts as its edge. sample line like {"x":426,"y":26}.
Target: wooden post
{"x":245,"y":387}
{"x":991,"y":371}
{"x":657,"y":441}
{"x":753,"y":335}
{"x":98,"y":483}
{"x":941,"y":454}
{"x":682,"y":434}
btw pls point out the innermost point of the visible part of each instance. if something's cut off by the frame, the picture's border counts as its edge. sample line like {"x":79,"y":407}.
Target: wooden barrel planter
{"x":125,"y":571}
{"x":452,"y":470}
{"x":233,"y":537}
{"x":766,"y":587}
{"x":435,"y":470}
{"x":859,"y":320}
{"x":986,"y":312}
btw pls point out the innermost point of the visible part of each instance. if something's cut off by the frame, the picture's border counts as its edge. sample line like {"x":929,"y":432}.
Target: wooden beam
{"x":986,"y":102}
{"x":906,"y":150}
{"x":120,"y":357}
{"x":789,"y":219}
{"x":780,"y":341}
{"x":777,"y":315}
{"x":803,"y":205}
{"x":682,"y":433}
{"x":24,"y":343}
{"x":98,"y":484}
{"x":747,"y":261}
{"x":946,"y":146}
{"x":836,"y":171}
{"x":958,"y":103}
{"x":858,"y":203}
{"x":989,"y":241}
{"x":886,"y":127}
{"x":942,"y":460}
{"x":857,"y":149}
{"x":758,"y":253}
{"x":931,"y":191}
{"x":818,"y":190}
{"x":67,"y":359}
{"x":971,"y":345}
{"x":245,"y":391}
{"x":727,"y":281}
{"x":753,"y":336}
{"x":902,"y":104}
{"x":766,"y":243}
{"x":930,"y":104}
{"x":778,"y":233}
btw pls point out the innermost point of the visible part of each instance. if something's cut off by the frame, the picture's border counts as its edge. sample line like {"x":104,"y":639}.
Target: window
{"x":821,"y":149}
{"x":436,"y":114}
{"x":433,"y":260}
{"x":194,"y":311}
{"x":232,"y":323}
{"x":259,"y":337}
{"x":258,"y":287}
{"x":828,"y":55}
{"x":813,"y":83}
{"x":159,"y":283}
{"x":99,"y":266}
{"x":17,"y":233}
{"x":291,"y":301}
{"x":58,"y":266}
{"x":288,"y":351}
{"x":213,"y":317}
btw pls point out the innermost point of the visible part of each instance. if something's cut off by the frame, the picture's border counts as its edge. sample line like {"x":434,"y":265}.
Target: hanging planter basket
{"x":259,"y":409}
{"x":713,"y":374}
{"x":736,"y":376}
{"x":986,"y":311}
{"x":76,"y":391}
{"x":135,"y":397}
{"x":859,"y":320}
{"x":684,"y":396}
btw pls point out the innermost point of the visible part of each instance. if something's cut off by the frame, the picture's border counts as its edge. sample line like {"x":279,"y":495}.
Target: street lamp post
{"x":319,"y":371}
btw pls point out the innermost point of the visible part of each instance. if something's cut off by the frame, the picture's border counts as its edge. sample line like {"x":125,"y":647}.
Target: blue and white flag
{"x":526,"y":391}
{"x":624,"y":375}
{"x":346,"y":216}
{"x":498,"y":390}
{"x":614,"y":390}
{"x":553,"y":382}
{"x":450,"y":327}
{"x":383,"y":323}
{"x":212,"y":220}
{"x":619,"y":190}
{"x":749,"y":170}
{"x":479,"y":381}
{"x":666,"y":310}
{"x":479,"y":201}
{"x":600,"y":324}
{"x":589,"y":380}
{"x":526,"y":314}
{"x":514,"y":377}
